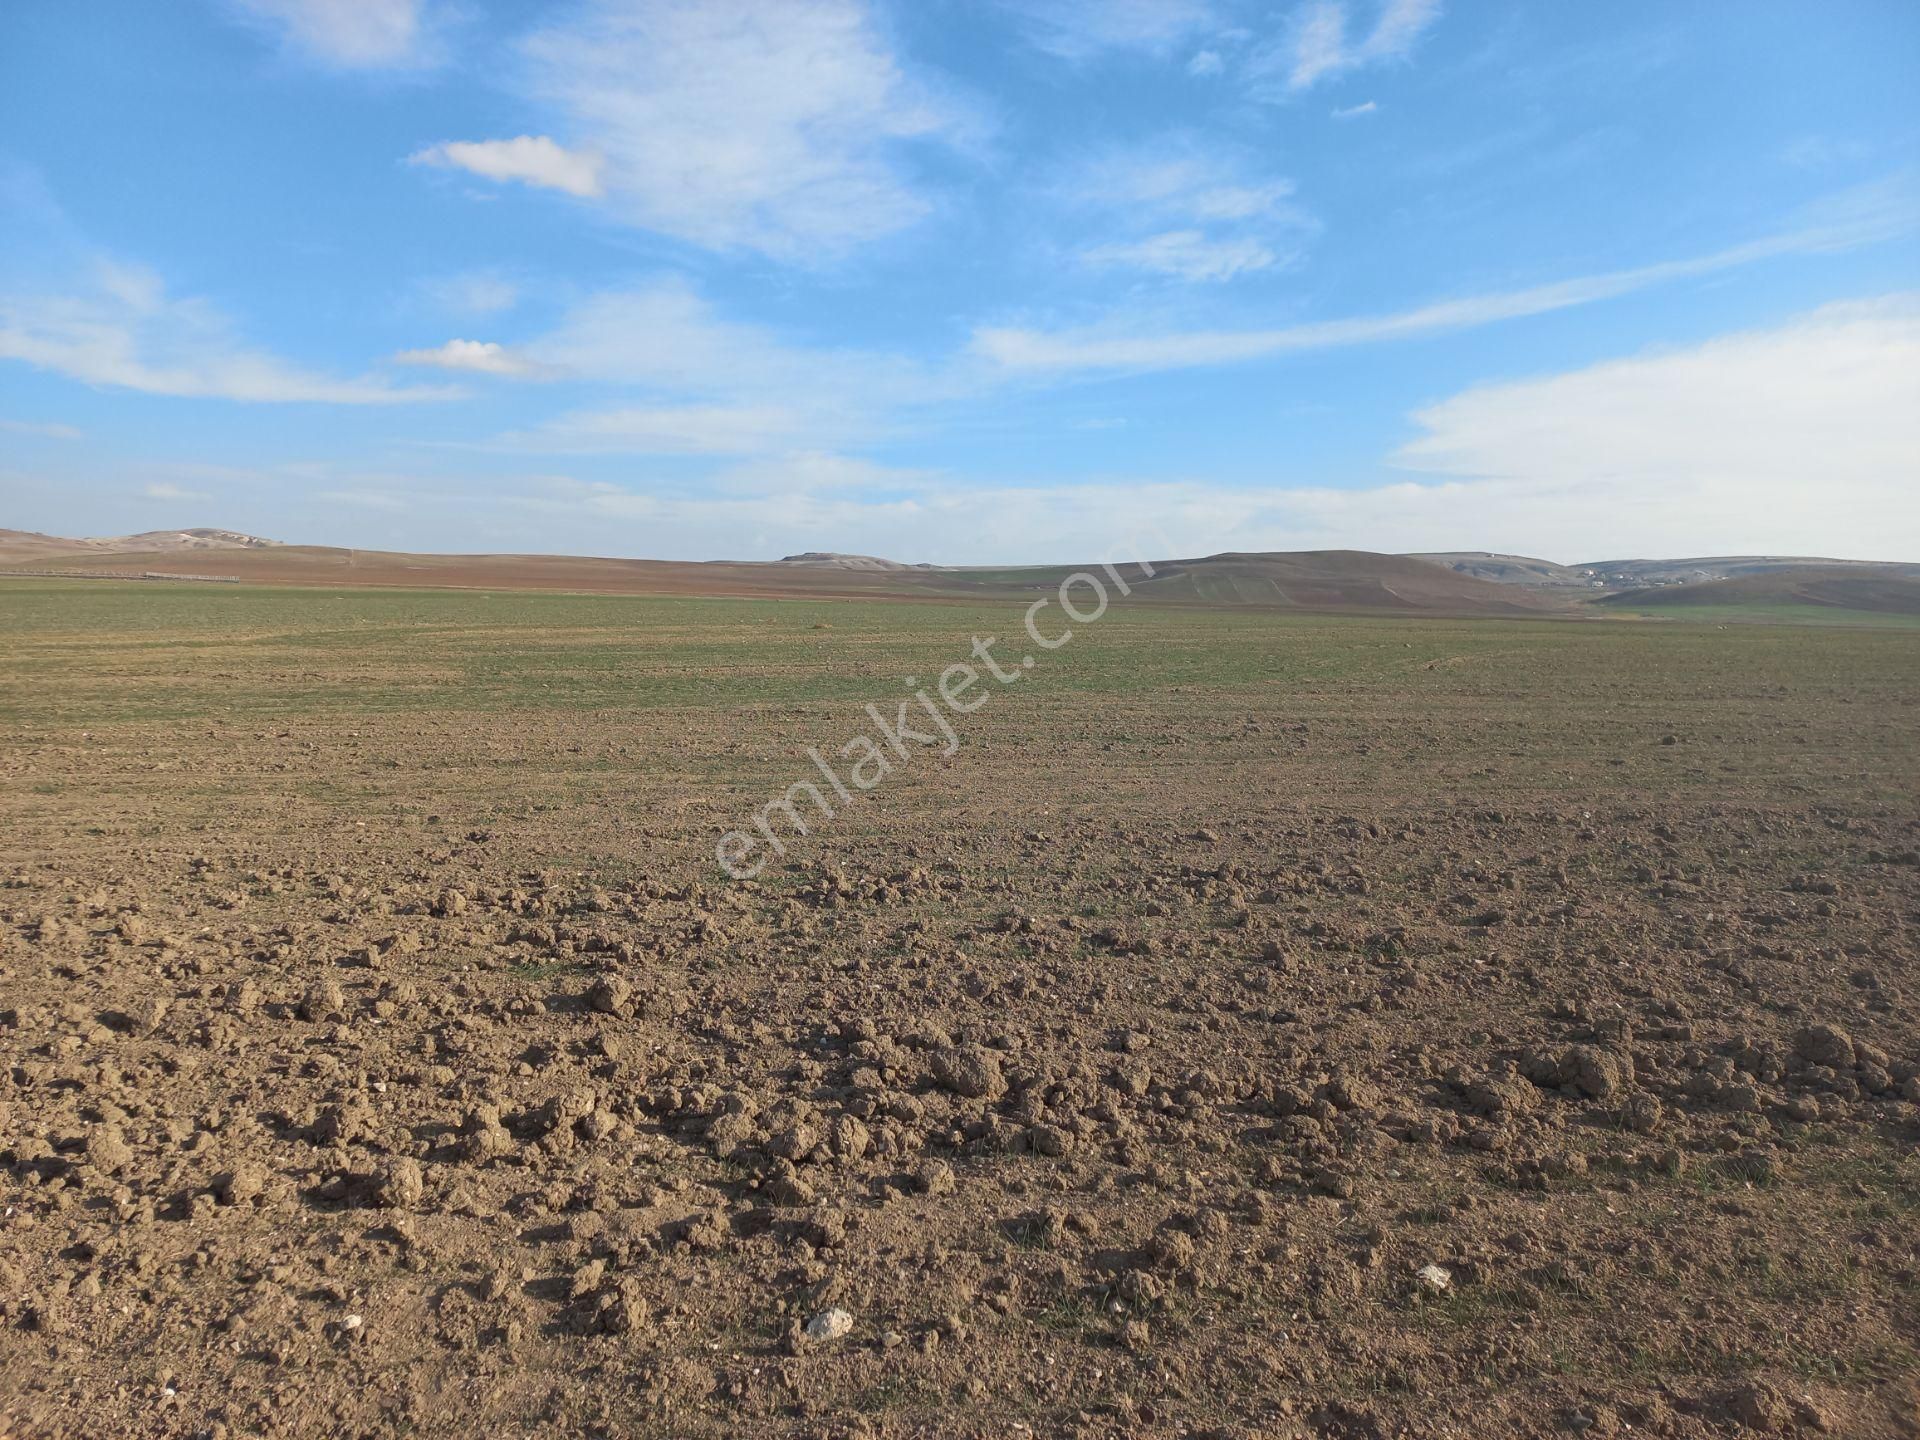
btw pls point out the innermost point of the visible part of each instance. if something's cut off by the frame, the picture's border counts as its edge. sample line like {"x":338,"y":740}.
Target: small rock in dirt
{"x":1594,"y":1072}
{"x":972,"y":1073}
{"x":1434,"y":1279}
{"x":934,"y":1178}
{"x":107,"y":1148}
{"x":1823,"y":1044}
{"x":1049,"y":1140}
{"x":240,"y":1184}
{"x":611,"y":995}
{"x":833,"y":1324}
{"x":1758,"y":1406}
{"x":398,"y":1184}
{"x":1171,"y":1249}
{"x":323,"y":1000}
{"x":1642,"y":1113}
{"x":849,"y":1138}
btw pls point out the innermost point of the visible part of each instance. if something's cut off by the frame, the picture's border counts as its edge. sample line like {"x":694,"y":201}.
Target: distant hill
{"x":1512,"y":569}
{"x":847,"y":562}
{"x":1327,"y":580}
{"x":1462,"y":583}
{"x":1307,"y":580}
{"x":18,"y":545}
{"x":1637,"y":576}
{"x":201,"y":539}
{"x":1631,"y":574}
{"x":1880,"y":590}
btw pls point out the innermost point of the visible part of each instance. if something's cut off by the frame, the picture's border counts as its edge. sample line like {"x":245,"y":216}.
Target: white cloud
{"x":1354,"y":112}
{"x":1858,"y":218}
{"x":699,"y":383}
{"x":809,"y":471}
{"x":783,"y":126}
{"x":384,"y":500}
{"x":1205,"y":63}
{"x":664,"y":333}
{"x":481,"y":356}
{"x":1399,"y":28}
{"x":123,"y":330}
{"x":1179,"y":177}
{"x":1317,"y":45}
{"x":1184,"y":255}
{"x":349,"y":34}
{"x":473,"y":292}
{"x":1186,"y":211}
{"x":1079,"y":30}
{"x":530,"y":159}
{"x":164,"y":490}
{"x":664,"y":430}
{"x":43,"y":429}
{"x":1802,"y":438}
{"x":665,"y":339}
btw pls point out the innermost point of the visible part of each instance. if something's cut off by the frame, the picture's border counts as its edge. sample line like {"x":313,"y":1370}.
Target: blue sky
{"x":965,"y":281}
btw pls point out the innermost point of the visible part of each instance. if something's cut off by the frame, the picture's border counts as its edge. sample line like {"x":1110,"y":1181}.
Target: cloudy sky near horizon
{"x":965,"y":281}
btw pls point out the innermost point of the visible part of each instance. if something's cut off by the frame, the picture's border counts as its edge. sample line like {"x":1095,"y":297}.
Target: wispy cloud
{"x":1860,"y":218}
{"x":1318,"y":43}
{"x":1080,"y":30}
{"x":664,"y":430}
{"x":529,"y":159}
{"x":385,"y":500}
{"x":782,"y":126}
{"x":1354,"y":112}
{"x":483,"y":357}
{"x":43,"y":429}
{"x":813,"y":471}
{"x":698,"y":383}
{"x":1185,"y":210}
{"x":165,"y":490}
{"x":472,"y":292}
{"x":664,"y":337}
{"x":1185,"y":255}
{"x":350,"y":34}
{"x":122,"y":329}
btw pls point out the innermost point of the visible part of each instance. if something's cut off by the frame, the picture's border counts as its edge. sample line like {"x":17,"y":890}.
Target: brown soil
{"x":1480,"y":1052}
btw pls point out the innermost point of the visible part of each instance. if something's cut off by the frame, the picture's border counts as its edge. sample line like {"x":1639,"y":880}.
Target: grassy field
{"x":1781,"y":613}
{"x":92,"y":652}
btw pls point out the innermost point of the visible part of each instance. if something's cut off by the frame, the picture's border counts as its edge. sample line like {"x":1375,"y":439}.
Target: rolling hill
{"x":1439,"y":583}
{"x":19,"y":545}
{"x":1511,"y":569}
{"x":1639,"y":574}
{"x":1880,"y":591}
{"x":1307,"y":580}
{"x":1603,"y":576}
